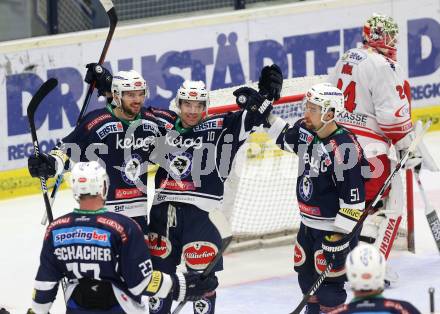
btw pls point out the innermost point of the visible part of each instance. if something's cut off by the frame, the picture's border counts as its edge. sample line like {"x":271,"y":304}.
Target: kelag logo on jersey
{"x":81,"y":235}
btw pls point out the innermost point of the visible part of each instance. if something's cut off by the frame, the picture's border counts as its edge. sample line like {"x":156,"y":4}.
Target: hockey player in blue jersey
{"x":330,"y":192}
{"x":191,"y":183}
{"x":103,"y":257}
{"x":365,"y":268}
{"x":118,"y":135}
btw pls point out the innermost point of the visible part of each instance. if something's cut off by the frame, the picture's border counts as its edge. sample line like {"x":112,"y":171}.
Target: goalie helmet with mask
{"x":191,"y":102}
{"x":124,"y":87}
{"x":365,"y":267}
{"x":380,"y":32}
{"x":328,"y":98}
{"x":89,"y":179}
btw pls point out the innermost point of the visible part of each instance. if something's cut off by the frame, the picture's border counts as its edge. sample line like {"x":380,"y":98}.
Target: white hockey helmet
{"x":327,"y":97}
{"x":365,"y":267}
{"x":192,"y":90}
{"x":89,"y":178}
{"x":380,"y":32}
{"x":127,"y":81}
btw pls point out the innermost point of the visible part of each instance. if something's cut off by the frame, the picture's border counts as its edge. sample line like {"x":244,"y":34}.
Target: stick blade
{"x":41,"y":93}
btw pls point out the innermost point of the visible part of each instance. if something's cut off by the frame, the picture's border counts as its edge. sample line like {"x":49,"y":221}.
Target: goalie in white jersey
{"x":378,"y":110}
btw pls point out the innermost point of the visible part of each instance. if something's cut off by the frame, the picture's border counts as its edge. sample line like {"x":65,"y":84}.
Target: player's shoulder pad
{"x":169,"y":115}
{"x":96,"y":118}
{"x":399,"y":304}
{"x":354,"y":56}
{"x":119,"y":224}
{"x":59,"y":222}
{"x":342,"y":142}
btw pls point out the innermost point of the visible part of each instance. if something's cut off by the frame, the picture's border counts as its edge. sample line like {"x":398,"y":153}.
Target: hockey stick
{"x":219,"y":220}
{"x":42,"y":92}
{"x":430,"y":212}
{"x":113,"y":19}
{"x":315,"y":286}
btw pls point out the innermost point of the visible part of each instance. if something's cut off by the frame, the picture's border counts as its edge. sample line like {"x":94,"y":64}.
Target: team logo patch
{"x":155,"y":304}
{"x":321,"y":265}
{"x":162,"y":249}
{"x":180,"y":165}
{"x":81,"y":235}
{"x":305,"y":188}
{"x":202,"y":306}
{"x":131,"y":169}
{"x":199,"y":254}
{"x":109,"y":128}
{"x":300,"y":255}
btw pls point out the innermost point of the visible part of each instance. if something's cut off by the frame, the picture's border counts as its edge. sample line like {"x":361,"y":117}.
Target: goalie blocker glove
{"x":100,"y":75}
{"x":191,"y":286}
{"x":270,"y":82}
{"x":335,"y":251}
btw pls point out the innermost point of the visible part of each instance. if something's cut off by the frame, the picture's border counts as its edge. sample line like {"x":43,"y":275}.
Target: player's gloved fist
{"x":100,"y":75}
{"x":335,"y":248}
{"x":249,"y":99}
{"x":42,"y":166}
{"x":192,"y":286}
{"x":270,"y":82}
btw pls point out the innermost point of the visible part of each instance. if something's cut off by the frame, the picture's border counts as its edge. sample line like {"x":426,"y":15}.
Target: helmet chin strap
{"x":325,"y":123}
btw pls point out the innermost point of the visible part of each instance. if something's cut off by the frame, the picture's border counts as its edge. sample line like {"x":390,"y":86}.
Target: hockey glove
{"x":335,"y":250}
{"x":100,"y":75}
{"x":270,"y":82}
{"x":45,"y":165}
{"x":249,"y":99}
{"x":191,"y":286}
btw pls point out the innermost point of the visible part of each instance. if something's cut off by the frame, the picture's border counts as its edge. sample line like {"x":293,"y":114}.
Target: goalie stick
{"x":430,"y":212}
{"x":113,"y":20}
{"x":315,"y":286}
{"x":222,"y":225}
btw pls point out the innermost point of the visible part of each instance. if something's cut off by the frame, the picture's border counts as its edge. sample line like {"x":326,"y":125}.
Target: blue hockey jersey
{"x":196,"y":161}
{"x":330,"y":185}
{"x":99,"y":245}
{"x":123,"y":147}
{"x":378,"y":305}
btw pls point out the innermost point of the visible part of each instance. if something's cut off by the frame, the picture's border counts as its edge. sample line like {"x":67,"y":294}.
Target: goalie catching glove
{"x":270,"y":82}
{"x":335,"y":249}
{"x":100,"y":75}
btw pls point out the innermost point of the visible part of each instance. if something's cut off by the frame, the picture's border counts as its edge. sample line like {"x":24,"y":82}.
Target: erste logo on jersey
{"x":215,"y":124}
{"x":81,"y":235}
{"x":199,"y":254}
{"x":150,"y":126}
{"x":108,"y":128}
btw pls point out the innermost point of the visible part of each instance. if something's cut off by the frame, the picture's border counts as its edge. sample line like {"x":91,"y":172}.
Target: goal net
{"x":260,"y":193}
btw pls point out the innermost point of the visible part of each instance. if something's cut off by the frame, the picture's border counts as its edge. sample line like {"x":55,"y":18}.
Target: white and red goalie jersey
{"x":377,"y":99}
